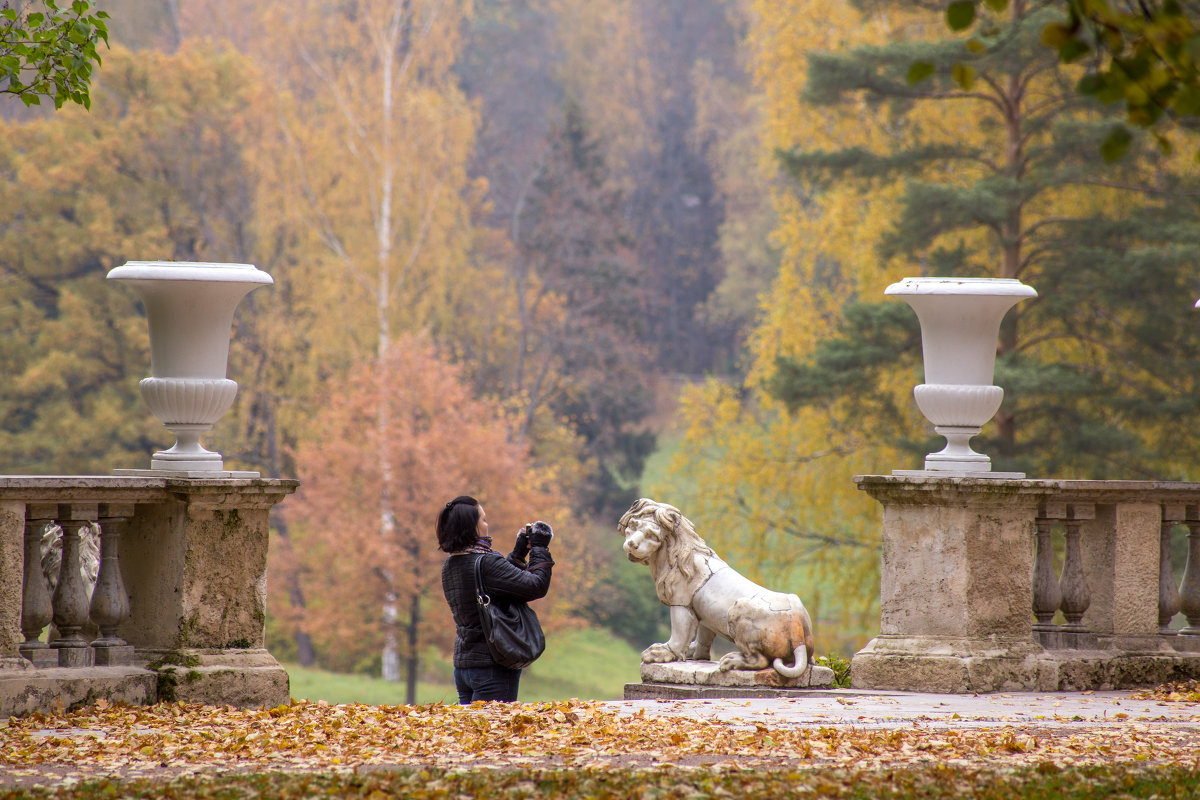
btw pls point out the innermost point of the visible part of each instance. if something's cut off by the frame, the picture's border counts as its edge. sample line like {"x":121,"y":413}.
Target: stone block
{"x":256,"y":687}
{"x":249,"y":678}
{"x":12,"y":574}
{"x":705,"y":673}
{"x":41,"y":657}
{"x":945,"y":664}
{"x":113,"y":655}
{"x":1073,"y":673}
{"x":195,"y":568}
{"x":1120,"y":563}
{"x":1130,"y":671}
{"x":957,"y":557}
{"x":74,"y":657}
{"x":44,"y":691}
{"x":1187,"y":643}
{"x":686,"y":691}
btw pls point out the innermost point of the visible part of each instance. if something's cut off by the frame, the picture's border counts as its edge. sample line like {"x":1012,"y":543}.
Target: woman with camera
{"x":462,"y":532}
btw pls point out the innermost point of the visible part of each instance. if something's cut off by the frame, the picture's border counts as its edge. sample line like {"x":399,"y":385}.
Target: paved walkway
{"x":848,"y":707}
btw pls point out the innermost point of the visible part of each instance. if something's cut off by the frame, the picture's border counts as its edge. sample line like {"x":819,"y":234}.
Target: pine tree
{"x":581,"y":314}
{"x":1099,"y":371}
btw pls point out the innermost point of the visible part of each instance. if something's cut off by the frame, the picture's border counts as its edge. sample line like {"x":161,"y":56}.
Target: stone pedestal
{"x":241,"y":678}
{"x":120,"y":655}
{"x":946,"y":664}
{"x":193,"y":560}
{"x":12,"y":575}
{"x":1121,"y":563}
{"x":691,"y":679}
{"x":196,"y":568}
{"x":955,"y":586}
{"x":957,"y":595}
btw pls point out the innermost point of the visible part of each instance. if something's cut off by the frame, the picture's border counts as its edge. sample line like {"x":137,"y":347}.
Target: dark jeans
{"x":486,"y":683}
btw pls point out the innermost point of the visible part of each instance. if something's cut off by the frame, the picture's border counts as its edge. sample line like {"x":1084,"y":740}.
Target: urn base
{"x":212,"y":474}
{"x":951,"y":473}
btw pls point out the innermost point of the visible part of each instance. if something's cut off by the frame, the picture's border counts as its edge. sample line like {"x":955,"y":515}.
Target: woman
{"x":462,"y":531}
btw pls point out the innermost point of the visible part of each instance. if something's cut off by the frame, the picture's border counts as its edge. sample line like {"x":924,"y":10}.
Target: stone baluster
{"x":70,"y":596}
{"x":110,"y":601}
{"x":36,"y":610}
{"x":1076,"y":596}
{"x":1046,"y":594}
{"x":1168,"y":593}
{"x":1189,"y":589}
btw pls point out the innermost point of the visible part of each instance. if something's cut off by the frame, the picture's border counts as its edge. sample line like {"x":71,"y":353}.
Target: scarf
{"x":481,"y":545}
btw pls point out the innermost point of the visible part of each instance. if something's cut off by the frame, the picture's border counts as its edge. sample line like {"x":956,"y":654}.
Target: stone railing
{"x":970,"y":599}
{"x":172,"y":605}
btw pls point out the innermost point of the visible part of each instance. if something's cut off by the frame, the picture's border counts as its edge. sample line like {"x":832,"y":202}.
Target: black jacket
{"x":504,"y":580}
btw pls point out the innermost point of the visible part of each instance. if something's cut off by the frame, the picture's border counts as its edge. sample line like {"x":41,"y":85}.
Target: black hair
{"x":457,"y":523}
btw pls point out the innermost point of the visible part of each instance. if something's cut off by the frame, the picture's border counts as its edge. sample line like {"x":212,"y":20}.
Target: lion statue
{"x":707,"y":598}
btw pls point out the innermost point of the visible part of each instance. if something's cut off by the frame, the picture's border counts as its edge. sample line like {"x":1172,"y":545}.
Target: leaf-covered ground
{"x":573,"y":749}
{"x":663,"y":783}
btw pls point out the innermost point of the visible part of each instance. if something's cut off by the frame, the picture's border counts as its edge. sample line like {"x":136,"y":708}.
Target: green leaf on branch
{"x":1116,"y":144}
{"x":964,"y":76}
{"x":1091,"y":84}
{"x":54,"y":49}
{"x":1187,"y":102}
{"x":1057,"y":35}
{"x":960,"y":15}
{"x":919,"y":71}
{"x":1073,"y":51}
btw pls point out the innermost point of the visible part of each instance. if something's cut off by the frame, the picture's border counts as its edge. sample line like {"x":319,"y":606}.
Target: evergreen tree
{"x":1099,"y":371}
{"x":582,"y":313}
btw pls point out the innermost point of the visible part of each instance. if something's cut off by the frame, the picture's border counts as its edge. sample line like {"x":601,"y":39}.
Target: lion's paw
{"x":730,"y":661}
{"x":658,"y":653}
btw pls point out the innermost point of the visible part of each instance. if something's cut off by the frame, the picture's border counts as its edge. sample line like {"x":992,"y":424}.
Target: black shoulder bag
{"x":513,"y":634}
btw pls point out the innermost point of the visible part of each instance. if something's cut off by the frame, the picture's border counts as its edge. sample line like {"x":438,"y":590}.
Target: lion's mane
{"x":680,"y":549}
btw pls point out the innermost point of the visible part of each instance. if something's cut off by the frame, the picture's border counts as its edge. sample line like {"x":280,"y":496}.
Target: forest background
{"x":559,"y":254}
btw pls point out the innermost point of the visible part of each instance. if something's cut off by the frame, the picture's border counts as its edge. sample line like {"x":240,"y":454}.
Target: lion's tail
{"x":796,"y":671}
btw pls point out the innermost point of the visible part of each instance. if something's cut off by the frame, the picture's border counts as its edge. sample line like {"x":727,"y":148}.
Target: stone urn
{"x":960,"y":323}
{"x":189,"y":308}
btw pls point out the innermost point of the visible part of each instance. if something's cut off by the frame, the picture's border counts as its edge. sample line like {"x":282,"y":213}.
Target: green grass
{"x":938,"y":782}
{"x":586,"y":664}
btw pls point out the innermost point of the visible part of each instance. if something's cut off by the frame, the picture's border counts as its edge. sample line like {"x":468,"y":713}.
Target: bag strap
{"x":480,"y":597}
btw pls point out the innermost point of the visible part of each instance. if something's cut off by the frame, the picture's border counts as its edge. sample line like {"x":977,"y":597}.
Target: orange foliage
{"x":402,"y":436}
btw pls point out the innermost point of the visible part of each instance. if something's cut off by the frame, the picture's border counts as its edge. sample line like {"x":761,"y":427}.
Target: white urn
{"x":960,"y":323}
{"x":189,"y":308}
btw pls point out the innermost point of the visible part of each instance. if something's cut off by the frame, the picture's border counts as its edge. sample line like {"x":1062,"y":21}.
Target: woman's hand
{"x":521,"y":549}
{"x":541,"y":534}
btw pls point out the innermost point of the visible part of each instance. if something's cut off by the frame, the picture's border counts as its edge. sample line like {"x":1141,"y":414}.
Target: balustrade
{"x":110,"y":601}
{"x":149,"y":571}
{"x":1189,"y":590}
{"x":1070,"y":595}
{"x":36,"y":610}
{"x":970,"y":599}
{"x":75,"y":601}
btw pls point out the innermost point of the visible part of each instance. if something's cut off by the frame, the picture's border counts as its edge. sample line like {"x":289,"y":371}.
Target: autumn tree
{"x":985,"y":178}
{"x":439,"y":442}
{"x":1098,"y":370}
{"x":156,"y":170}
{"x":372,"y":149}
{"x":581,"y":315}
{"x":1143,"y":54}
